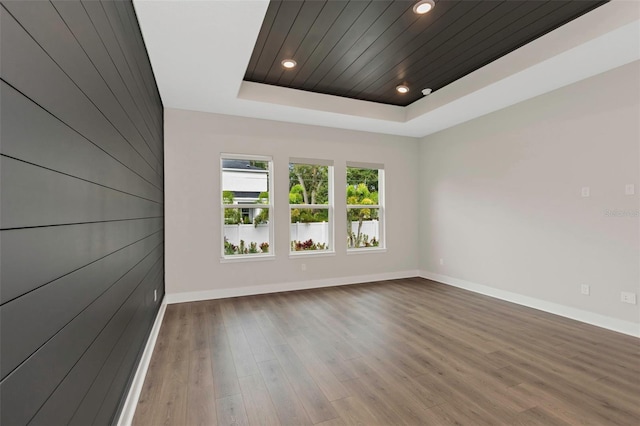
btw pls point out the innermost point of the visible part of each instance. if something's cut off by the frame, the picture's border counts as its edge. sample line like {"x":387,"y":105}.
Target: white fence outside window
{"x":317,"y":231}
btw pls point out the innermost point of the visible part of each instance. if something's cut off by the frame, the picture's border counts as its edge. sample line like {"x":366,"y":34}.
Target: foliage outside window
{"x":246,"y":205}
{"x":310,"y":205}
{"x":365,"y":206}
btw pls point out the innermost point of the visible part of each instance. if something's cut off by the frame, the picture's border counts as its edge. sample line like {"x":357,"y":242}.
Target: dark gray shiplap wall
{"x":82,"y":215}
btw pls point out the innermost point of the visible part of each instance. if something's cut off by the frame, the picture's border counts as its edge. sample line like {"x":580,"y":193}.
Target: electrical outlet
{"x":442,"y":261}
{"x":303,"y":267}
{"x":627,"y":297}
{"x":586,"y":191}
{"x":585,"y":289}
{"x":629,"y":189}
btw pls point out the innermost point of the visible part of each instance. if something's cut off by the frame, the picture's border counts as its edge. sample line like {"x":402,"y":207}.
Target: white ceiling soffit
{"x":199,"y":50}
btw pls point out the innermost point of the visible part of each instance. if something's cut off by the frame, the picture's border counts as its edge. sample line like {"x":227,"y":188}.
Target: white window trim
{"x":382,"y":244}
{"x":250,"y":256}
{"x":247,"y":257}
{"x":366,"y":206}
{"x":330,"y":207}
{"x":311,"y":253}
{"x":365,"y":250}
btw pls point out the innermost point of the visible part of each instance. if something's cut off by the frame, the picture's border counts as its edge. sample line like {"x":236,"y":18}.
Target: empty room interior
{"x":319,"y":212}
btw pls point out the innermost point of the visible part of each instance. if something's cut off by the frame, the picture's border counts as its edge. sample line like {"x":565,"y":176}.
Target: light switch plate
{"x":586,"y":191}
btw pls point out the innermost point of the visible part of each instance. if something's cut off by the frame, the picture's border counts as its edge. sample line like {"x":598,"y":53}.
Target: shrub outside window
{"x":246,"y":204}
{"x":310,"y":206}
{"x":365,"y":206}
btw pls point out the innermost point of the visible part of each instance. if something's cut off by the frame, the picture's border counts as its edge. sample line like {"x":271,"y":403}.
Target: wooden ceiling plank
{"x":462,"y":15}
{"x":382,"y":47}
{"x":346,"y":17}
{"x":263,"y":35}
{"x":492,"y":35}
{"x":363,"y":49}
{"x":388,"y":25}
{"x":516,"y":34}
{"x":317,"y":31}
{"x":308,"y":13}
{"x":279,"y":30}
{"x":449,"y":43}
{"x":350,"y":34}
{"x":496,"y":51}
{"x":405,"y":45}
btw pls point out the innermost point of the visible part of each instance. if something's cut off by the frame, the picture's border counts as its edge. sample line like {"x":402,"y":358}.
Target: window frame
{"x":382,"y":241}
{"x":269,"y":205}
{"x":330,"y":207}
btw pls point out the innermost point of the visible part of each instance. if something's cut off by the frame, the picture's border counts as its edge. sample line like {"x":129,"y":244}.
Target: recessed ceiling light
{"x":289,"y":63}
{"x":423,"y":6}
{"x":402,"y":89}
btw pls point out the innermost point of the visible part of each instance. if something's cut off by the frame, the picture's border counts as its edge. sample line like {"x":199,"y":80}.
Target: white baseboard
{"x":129,"y":408}
{"x":603,"y":321}
{"x":222,"y":293}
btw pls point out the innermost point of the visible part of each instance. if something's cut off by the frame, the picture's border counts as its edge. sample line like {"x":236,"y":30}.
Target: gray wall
{"x":502,"y":205}
{"x":82,"y":209}
{"x":194,"y":142}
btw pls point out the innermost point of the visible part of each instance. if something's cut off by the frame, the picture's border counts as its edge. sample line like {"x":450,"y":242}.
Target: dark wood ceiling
{"x":363,"y":49}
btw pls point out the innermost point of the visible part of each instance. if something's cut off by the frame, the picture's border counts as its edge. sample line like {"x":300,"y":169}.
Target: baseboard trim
{"x":603,"y":321}
{"x":129,"y":408}
{"x":194,"y":296}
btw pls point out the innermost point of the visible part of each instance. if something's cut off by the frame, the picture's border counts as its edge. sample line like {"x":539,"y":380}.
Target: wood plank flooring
{"x":396,"y":352}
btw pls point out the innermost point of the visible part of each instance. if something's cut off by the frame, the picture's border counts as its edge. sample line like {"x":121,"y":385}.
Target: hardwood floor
{"x":396,"y":352}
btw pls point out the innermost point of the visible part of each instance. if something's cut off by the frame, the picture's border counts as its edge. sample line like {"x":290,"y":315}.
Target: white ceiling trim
{"x":199,"y":50}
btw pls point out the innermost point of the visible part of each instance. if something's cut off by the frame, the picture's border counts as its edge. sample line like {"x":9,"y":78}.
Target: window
{"x":365,"y":206}
{"x":246,"y":206}
{"x":310,"y":206}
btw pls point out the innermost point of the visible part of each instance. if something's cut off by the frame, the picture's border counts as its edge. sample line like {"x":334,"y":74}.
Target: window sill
{"x":366,"y":250}
{"x":311,"y":253}
{"x":247,"y":258}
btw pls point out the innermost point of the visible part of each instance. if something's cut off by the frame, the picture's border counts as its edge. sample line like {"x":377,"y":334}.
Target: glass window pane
{"x":245,"y":194}
{"x":232,"y":216}
{"x":362,"y":186}
{"x":245,"y":181}
{"x":308,"y":184}
{"x":246,"y":231}
{"x":310,"y":229}
{"x":363,"y":228}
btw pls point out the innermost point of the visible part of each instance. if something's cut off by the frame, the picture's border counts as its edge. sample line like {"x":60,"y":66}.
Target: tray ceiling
{"x":200,"y":50}
{"x":364,"y":49}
